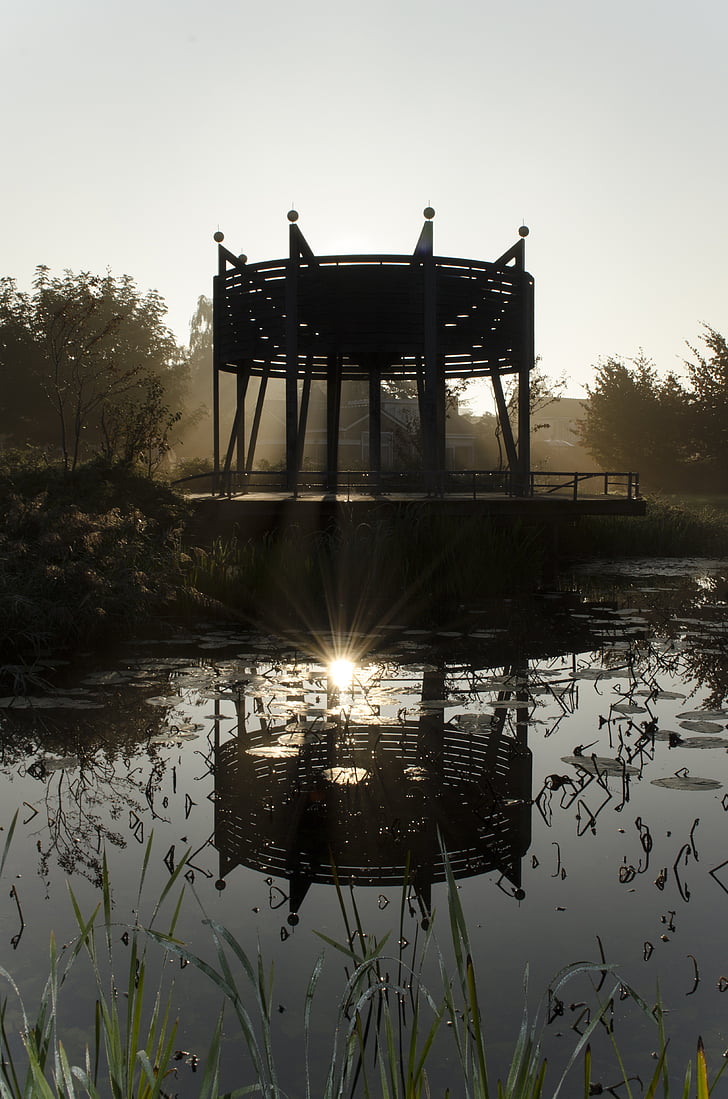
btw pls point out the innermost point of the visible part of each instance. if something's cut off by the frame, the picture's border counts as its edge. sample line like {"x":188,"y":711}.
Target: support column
{"x":218,"y":298}
{"x":432,"y":400}
{"x":505,"y":423}
{"x":255,"y":426}
{"x":333,"y":416}
{"x":241,"y":388}
{"x":375,"y":427}
{"x":215,"y":425}
{"x":303,"y":415}
{"x":292,"y":359}
{"x":524,"y":385}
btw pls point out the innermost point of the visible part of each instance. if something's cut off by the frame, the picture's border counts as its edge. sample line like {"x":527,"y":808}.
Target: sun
{"x":341,"y":673}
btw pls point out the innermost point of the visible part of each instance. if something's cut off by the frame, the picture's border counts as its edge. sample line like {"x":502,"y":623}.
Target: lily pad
{"x":687,"y":782}
{"x":705,"y":742}
{"x":48,"y":702}
{"x":297,"y":740}
{"x":602,"y":765}
{"x":346,"y":776}
{"x":273,"y":751}
{"x":701,"y":726}
{"x":705,"y":715}
{"x":416,"y":774}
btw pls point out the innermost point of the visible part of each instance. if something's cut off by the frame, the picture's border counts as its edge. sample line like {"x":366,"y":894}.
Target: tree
{"x":708,"y":401}
{"x":86,"y":346}
{"x":194,"y":427}
{"x":637,"y":420}
{"x":137,"y":428}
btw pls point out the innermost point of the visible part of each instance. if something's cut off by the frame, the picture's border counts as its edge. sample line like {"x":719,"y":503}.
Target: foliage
{"x":670,"y":528}
{"x":674,"y":433}
{"x":84,"y":351}
{"x":410,"y":565}
{"x":138,"y":428}
{"x":196,"y":427}
{"x":708,"y":376}
{"x":388,"y":1024}
{"x":637,"y":420}
{"x":81,"y":555}
{"x":131,"y":1050}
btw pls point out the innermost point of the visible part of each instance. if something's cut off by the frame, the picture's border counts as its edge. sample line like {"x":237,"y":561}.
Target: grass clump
{"x":407,"y":567}
{"x":389,"y":1033}
{"x":672,"y":527}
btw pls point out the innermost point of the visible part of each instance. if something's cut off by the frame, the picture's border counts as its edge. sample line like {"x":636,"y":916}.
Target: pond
{"x":569,"y":752}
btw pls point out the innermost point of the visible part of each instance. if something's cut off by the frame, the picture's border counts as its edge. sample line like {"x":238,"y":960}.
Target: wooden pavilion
{"x":416,"y":318}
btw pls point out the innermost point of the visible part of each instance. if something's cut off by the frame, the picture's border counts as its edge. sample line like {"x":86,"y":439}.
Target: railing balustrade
{"x":473,"y":483}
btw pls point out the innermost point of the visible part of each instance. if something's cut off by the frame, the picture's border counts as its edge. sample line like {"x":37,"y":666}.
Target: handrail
{"x":474,"y":483}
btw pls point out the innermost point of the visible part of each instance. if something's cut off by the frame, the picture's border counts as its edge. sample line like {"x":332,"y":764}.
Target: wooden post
{"x":303,"y":415}
{"x":527,"y":360}
{"x":375,"y":426}
{"x":255,"y":426}
{"x":241,"y":388}
{"x":218,"y":300}
{"x":333,"y":416}
{"x":292,"y":357}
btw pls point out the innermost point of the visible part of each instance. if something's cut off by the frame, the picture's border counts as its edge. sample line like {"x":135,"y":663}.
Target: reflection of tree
{"x":85,"y":777}
{"x":710,"y":669}
{"x":76,"y":830}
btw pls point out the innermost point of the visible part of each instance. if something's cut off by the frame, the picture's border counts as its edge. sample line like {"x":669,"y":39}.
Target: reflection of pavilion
{"x":370,"y":795}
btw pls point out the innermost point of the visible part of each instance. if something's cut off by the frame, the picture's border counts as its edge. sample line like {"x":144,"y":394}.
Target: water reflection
{"x":574,"y":762}
{"x":351,"y":779}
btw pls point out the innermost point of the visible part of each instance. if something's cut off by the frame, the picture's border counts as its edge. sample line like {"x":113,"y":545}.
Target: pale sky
{"x":132,"y":131}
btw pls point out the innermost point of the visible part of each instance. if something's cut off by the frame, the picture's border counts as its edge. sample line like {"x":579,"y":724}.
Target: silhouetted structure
{"x":369,"y":318}
{"x":373,"y":798}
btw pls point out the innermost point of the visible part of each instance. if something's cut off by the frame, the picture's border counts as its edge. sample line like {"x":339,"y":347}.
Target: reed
{"x":387,"y":1035}
{"x":671,"y":528}
{"x":419,"y":567}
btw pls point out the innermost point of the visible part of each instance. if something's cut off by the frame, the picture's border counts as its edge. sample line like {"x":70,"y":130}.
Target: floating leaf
{"x":701,"y":726}
{"x":687,"y":782}
{"x":603,"y":765}
{"x":705,"y":742}
{"x":705,"y":715}
{"x":273,"y":751}
{"x":346,"y":776}
{"x":48,"y":702}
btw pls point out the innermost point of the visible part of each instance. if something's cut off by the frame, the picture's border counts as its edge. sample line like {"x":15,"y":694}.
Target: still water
{"x":569,"y":752}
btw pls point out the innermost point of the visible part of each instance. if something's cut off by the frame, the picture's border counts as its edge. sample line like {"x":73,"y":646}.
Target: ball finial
{"x":523,"y":231}
{"x":292,"y":215}
{"x":218,"y":237}
{"x":243,"y":258}
{"x":429,"y":213}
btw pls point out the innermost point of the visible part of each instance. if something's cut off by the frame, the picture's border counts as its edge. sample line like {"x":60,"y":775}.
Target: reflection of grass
{"x":672,"y":527}
{"x":388,"y":1033}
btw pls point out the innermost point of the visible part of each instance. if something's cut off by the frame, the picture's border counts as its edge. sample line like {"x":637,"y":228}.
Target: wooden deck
{"x":254,"y":512}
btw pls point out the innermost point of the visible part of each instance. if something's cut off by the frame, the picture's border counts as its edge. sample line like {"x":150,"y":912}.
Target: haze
{"x":133,"y":131}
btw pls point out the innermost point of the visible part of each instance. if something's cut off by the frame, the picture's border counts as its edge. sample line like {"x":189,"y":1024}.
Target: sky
{"x":133,"y":131}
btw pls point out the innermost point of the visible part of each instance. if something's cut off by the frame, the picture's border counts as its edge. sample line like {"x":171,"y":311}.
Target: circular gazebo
{"x":420,"y":318}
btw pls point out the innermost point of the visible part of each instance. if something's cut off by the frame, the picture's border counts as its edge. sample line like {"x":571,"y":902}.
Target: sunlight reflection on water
{"x":579,"y":779}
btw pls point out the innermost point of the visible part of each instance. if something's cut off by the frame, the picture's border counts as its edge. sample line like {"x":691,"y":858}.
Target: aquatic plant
{"x":411,"y":566}
{"x":388,"y":1035}
{"x":672,"y":527}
